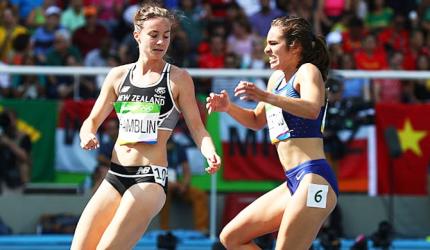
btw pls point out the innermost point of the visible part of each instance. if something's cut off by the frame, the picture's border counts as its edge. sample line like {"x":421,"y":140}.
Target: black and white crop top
{"x":143,"y":110}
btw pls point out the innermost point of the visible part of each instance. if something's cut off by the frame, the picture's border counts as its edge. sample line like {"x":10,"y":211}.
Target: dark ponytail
{"x":314,"y":49}
{"x":318,"y":55}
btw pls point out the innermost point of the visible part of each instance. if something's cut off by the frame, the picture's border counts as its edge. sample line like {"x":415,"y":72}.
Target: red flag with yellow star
{"x":409,"y":170}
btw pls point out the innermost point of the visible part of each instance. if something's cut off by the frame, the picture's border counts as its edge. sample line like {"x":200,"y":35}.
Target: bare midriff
{"x":140,"y":154}
{"x":295,"y":151}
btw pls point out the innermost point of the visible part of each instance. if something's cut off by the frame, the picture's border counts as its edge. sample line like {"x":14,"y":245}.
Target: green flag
{"x":38,"y":119}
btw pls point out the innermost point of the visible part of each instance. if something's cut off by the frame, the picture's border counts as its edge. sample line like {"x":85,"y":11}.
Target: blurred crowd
{"x":361,"y":34}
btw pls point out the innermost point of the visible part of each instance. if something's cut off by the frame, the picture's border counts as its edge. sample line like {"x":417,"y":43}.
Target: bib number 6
{"x":317,"y":195}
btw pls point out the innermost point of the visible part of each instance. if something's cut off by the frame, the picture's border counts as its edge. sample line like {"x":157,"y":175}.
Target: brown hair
{"x":148,"y":11}
{"x":314,"y":49}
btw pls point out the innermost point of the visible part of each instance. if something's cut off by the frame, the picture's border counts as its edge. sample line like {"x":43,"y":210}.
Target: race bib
{"x":317,"y":195}
{"x":160,"y":175}
{"x":138,"y":121}
{"x":278,"y":128}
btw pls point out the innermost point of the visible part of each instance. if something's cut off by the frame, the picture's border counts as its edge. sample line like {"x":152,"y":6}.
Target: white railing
{"x":51,"y":70}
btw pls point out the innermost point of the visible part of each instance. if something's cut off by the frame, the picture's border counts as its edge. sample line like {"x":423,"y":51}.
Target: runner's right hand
{"x":89,"y":141}
{"x":218,"y":102}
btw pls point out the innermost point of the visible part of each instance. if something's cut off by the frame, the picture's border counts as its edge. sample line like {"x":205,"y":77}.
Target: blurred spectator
{"x":180,"y":188}
{"x":334,"y":45}
{"x":9,"y":30}
{"x":179,"y":52}
{"x":193,"y":21}
{"x":20,"y":48}
{"x":424,"y":15}
{"x":422,"y":87}
{"x":414,"y":50}
{"x":15,"y":150}
{"x":404,"y":7}
{"x":302,"y":8}
{"x":25,"y":7}
{"x":109,"y":12}
{"x":371,"y":56}
{"x":379,"y":15}
{"x":128,"y":50}
{"x":389,"y":90}
{"x":23,"y":85}
{"x":91,"y":34}
{"x":395,"y":37}
{"x":353,"y":36}
{"x":342,"y":24}
{"x":241,"y":38}
{"x":63,"y":54}
{"x":329,"y":12}
{"x":257,"y":59}
{"x":101,"y":57}
{"x":354,"y":87}
{"x":426,"y":48}
{"x":217,"y":9}
{"x":43,"y":38}
{"x":214,"y":58}
{"x":262,"y":20}
{"x":98,"y":176}
{"x":73,"y":17}
{"x":36,"y":18}
{"x":108,"y":142}
{"x":233,"y":14}
{"x":28,"y":86}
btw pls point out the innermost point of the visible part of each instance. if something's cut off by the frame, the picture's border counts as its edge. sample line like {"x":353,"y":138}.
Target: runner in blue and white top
{"x":293,"y":107}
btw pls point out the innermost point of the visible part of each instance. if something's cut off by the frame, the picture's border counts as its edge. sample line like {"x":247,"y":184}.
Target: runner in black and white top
{"x":147,"y":97}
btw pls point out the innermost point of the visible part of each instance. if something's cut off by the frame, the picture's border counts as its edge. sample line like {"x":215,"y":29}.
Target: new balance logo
{"x":143,"y":170}
{"x":125,"y":89}
{"x":160,"y":90}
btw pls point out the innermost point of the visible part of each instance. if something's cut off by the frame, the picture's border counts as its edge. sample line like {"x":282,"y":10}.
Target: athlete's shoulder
{"x":179,"y":75}
{"x":307,"y":68}
{"x":120,"y":71}
{"x":275,"y":77}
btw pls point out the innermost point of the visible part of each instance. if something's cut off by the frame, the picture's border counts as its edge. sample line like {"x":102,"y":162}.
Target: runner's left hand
{"x":250,"y":92}
{"x":214,"y":162}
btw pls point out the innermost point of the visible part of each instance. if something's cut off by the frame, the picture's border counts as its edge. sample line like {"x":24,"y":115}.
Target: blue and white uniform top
{"x":283,"y":125}
{"x":142,"y":111}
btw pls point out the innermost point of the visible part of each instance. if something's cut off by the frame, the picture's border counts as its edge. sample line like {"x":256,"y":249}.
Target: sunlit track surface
{"x":149,"y":242}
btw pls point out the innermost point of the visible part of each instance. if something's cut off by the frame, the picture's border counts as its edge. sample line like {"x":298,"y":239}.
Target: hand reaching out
{"x":249,"y":91}
{"x":218,"y":102}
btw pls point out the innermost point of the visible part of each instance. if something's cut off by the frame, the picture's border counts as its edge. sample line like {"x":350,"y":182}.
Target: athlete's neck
{"x":144,"y":66}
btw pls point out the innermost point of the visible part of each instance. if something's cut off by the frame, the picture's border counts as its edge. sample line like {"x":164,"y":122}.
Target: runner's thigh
{"x":262,"y":216}
{"x":96,"y":216}
{"x":301,"y":223}
{"x":139,"y":204}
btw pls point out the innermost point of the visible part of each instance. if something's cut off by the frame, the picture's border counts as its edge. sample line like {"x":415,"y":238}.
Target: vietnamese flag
{"x":412,"y":123}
